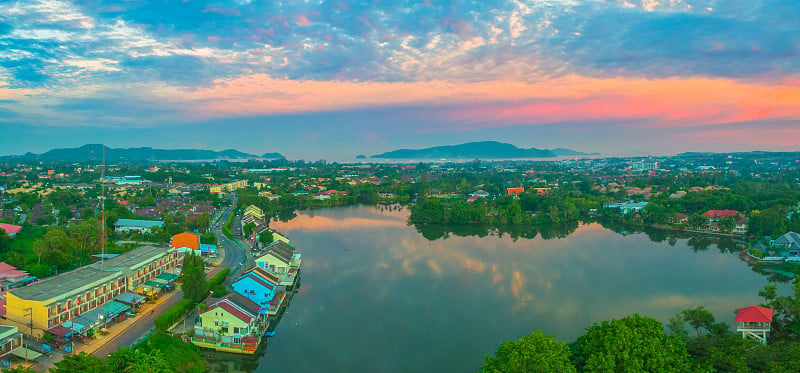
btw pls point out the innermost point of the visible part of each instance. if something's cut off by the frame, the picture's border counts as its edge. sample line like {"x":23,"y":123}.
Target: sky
{"x":334,"y":79}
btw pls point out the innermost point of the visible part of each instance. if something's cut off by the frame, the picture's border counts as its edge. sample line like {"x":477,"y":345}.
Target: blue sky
{"x":334,"y":79}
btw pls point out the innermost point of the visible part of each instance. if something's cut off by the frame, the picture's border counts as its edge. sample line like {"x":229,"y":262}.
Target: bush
{"x":218,"y":279}
{"x":172,"y":315}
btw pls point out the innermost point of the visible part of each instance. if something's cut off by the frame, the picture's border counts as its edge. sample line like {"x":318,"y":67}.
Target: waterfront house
{"x":322,"y":195}
{"x":790,"y":244}
{"x":627,"y":207}
{"x":716,"y":215}
{"x":680,"y":218}
{"x":231,"y":324}
{"x":281,"y":260}
{"x":740,"y":227}
{"x":259,"y":286}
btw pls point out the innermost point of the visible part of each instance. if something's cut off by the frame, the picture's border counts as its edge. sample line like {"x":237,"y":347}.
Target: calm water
{"x":377,"y":296}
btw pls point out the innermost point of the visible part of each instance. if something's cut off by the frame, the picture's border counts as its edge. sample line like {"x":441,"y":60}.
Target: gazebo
{"x":754,"y":322}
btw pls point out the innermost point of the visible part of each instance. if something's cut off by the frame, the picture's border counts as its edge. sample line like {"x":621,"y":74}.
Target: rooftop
{"x":133,"y":259}
{"x":64,"y":284}
{"x":139,"y":223}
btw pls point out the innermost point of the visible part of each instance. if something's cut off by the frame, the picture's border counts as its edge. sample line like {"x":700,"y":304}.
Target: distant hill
{"x":481,"y":149}
{"x":95,"y":152}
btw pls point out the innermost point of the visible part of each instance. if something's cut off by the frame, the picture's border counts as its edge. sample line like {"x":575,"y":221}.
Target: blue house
{"x":258,"y":286}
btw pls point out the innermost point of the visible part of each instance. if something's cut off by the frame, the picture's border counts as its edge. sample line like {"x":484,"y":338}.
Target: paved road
{"x":233,"y":256}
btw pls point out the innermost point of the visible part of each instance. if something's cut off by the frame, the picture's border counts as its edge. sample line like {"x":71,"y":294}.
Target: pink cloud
{"x":647,"y":103}
{"x":213,"y":38}
{"x":302,"y":21}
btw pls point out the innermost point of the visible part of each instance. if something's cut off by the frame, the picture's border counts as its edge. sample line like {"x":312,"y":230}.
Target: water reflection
{"x":381,"y":296}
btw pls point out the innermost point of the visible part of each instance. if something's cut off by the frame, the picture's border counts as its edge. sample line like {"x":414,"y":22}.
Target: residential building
{"x":231,"y":324}
{"x":136,"y":225}
{"x":627,"y":207}
{"x":11,"y":230}
{"x":259,"y":286}
{"x":322,"y":195}
{"x":716,"y":215}
{"x":183,"y":242}
{"x":11,"y":277}
{"x":228,"y":187}
{"x":10,"y":340}
{"x":514,"y":191}
{"x":254,"y":212}
{"x":76,"y":297}
{"x":282,"y":261}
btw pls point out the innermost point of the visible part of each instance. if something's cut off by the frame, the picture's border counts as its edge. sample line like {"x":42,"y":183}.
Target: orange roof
{"x":186,"y":239}
{"x":515,"y":190}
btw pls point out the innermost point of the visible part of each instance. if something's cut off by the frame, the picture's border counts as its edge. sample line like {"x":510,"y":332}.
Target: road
{"x":145,"y":323}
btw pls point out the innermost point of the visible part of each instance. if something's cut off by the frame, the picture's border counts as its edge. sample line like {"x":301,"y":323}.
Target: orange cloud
{"x":652,"y":103}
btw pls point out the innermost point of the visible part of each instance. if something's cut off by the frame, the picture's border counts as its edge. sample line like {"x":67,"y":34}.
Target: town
{"x":97,"y":257}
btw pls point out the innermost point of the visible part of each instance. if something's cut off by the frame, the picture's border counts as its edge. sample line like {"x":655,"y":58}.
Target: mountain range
{"x":480,"y":149}
{"x":91,"y":152}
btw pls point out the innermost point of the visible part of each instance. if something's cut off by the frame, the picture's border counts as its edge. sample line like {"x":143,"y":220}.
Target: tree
{"x":786,"y":311}
{"x":630,"y":344}
{"x":194,"y":280}
{"x":130,"y":360}
{"x":81,"y":362}
{"x":532,"y":353}
{"x":248,"y":228}
{"x":697,"y":220}
{"x":700,"y":318}
{"x":265,"y":238}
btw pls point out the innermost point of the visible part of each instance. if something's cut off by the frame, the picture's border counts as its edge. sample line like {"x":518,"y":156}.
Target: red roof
{"x":232,"y":310}
{"x":754,"y":314}
{"x":10,"y":229}
{"x":721,"y":214}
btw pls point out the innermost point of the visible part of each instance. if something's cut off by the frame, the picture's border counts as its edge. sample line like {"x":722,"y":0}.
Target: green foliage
{"x":164,"y":321}
{"x":193,"y":277}
{"x":81,"y":362}
{"x":226,"y":229}
{"x":430,"y":211}
{"x":532,"y":353}
{"x":701,"y":319}
{"x":210,"y":238}
{"x":265,"y":238}
{"x":630,"y":344}
{"x":131,"y":360}
{"x":181,"y":357}
{"x":248,"y":228}
{"x":786,"y":312}
{"x":217,"y":281}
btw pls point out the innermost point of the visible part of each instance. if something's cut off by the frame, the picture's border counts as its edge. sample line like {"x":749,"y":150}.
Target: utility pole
{"x":30,"y":314}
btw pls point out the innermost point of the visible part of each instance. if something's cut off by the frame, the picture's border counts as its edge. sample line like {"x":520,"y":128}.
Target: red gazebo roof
{"x":754,"y":314}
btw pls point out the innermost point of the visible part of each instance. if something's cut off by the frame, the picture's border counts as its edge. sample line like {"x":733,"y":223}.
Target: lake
{"x":377,"y":296}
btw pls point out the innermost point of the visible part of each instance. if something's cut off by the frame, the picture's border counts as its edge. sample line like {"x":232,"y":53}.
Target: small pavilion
{"x":754,"y":322}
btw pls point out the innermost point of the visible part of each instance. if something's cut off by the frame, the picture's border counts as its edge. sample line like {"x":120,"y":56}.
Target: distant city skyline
{"x":339,"y":79}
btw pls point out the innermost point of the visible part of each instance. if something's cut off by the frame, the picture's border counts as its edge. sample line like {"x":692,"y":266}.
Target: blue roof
{"x":139,"y":223}
{"x":208,"y":248}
